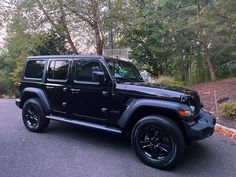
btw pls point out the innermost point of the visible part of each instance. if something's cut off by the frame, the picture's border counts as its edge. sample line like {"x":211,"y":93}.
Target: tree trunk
{"x":209,"y":63}
{"x":98,"y":38}
{"x":93,"y":21}
{"x":211,"y":69}
{"x":65,"y":30}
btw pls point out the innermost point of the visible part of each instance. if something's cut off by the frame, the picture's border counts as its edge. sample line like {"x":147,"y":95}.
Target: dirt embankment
{"x":213,"y":94}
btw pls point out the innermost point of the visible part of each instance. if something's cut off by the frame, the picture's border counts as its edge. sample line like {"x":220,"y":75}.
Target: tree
{"x":72,"y":19}
{"x":47,"y":44}
{"x":216,"y":33}
{"x":89,"y":12}
{"x":167,"y":35}
{"x":150,"y":43}
{"x":61,"y":26}
{"x":193,"y":41}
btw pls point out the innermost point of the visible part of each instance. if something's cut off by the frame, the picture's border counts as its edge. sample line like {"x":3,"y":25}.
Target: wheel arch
{"x":142,"y":108}
{"x":31,"y":92}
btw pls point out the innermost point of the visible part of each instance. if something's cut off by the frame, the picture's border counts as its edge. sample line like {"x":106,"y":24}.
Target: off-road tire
{"x":34,"y":116}
{"x":152,"y":149}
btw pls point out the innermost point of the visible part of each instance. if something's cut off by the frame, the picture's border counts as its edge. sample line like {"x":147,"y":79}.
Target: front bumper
{"x":203,"y":128}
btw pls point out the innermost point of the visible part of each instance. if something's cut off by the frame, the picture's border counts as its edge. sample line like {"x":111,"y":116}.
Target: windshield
{"x":123,"y":71}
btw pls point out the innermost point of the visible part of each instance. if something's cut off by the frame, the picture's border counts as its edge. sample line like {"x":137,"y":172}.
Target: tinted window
{"x":34,"y":69}
{"x":58,"y":70}
{"x":123,"y":71}
{"x":85,"y":69}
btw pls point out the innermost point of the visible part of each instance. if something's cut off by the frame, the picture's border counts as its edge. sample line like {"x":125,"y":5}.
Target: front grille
{"x":195,"y":101}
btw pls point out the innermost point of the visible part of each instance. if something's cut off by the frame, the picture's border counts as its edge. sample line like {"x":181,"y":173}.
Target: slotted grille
{"x":195,"y":101}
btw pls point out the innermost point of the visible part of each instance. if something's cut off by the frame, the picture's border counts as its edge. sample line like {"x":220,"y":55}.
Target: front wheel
{"x":158,"y":142}
{"x":33,"y":115}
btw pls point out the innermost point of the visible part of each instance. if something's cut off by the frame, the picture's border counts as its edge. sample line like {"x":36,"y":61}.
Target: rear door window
{"x":58,"y":70}
{"x":34,"y":69}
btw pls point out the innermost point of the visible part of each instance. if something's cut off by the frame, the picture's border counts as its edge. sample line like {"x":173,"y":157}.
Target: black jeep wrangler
{"x":110,"y":95}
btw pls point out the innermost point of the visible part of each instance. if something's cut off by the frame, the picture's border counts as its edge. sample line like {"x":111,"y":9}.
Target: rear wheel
{"x":34,"y":116}
{"x":158,"y":142}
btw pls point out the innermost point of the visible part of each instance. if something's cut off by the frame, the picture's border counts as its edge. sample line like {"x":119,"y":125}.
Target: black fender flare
{"x":40,"y":94}
{"x":135,"y":104}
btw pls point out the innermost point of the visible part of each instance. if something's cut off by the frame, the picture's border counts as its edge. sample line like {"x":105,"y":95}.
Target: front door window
{"x":84,"y":70}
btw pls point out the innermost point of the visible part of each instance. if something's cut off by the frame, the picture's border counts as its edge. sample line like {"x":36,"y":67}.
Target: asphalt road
{"x":67,"y":150}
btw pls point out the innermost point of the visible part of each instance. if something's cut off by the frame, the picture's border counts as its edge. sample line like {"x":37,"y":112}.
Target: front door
{"x":90,"y":100}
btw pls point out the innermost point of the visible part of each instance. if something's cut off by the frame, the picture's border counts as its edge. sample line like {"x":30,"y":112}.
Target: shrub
{"x":168,"y":80}
{"x":6,"y":85}
{"x":16,"y":73}
{"x":228,"y":110}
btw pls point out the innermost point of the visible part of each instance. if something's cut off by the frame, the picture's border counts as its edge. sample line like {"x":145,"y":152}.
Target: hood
{"x":157,"y":90}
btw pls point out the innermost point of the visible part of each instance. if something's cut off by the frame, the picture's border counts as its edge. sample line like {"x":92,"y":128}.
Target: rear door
{"x":57,"y":84}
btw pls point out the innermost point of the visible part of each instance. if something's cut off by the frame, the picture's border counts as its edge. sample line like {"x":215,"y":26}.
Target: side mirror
{"x":98,"y":76}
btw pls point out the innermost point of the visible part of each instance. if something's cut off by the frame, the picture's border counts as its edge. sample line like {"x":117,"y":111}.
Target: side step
{"x":86,"y":124}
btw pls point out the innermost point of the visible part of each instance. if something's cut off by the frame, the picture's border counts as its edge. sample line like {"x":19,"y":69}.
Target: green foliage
{"x":16,"y":74}
{"x":21,"y":43}
{"x":19,"y":47}
{"x":23,"y":39}
{"x":43,"y":44}
{"x":150,"y":44}
{"x":228,"y":110}
{"x":167,"y":80}
{"x":52,"y":44}
{"x":175,"y":38}
{"x":6,"y":85}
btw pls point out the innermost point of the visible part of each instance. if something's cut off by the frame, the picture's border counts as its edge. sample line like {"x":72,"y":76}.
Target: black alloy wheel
{"x":158,"y":141}
{"x":156,"y":144}
{"x":34,"y":116}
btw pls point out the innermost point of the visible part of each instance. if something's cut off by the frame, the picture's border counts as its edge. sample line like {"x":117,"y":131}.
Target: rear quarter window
{"x":34,"y":69}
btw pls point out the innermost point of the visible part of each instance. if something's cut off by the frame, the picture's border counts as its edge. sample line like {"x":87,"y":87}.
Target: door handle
{"x":49,"y":87}
{"x":105,"y":93}
{"x":65,"y":89}
{"x":75,"y":90}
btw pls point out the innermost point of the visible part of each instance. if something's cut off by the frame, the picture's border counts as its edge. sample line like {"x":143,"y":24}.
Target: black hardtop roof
{"x":71,"y":57}
{"x":63,"y":56}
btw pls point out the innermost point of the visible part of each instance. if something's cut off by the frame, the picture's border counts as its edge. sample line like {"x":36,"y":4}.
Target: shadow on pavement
{"x":196,"y":155}
{"x":87,"y":135}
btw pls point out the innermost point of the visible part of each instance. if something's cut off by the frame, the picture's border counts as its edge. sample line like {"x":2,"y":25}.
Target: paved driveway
{"x":67,"y":150}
